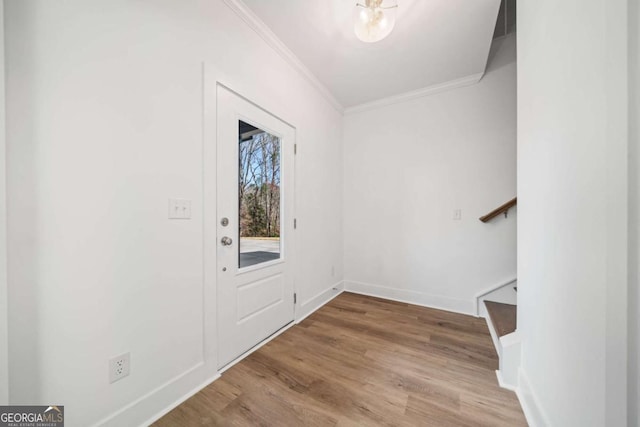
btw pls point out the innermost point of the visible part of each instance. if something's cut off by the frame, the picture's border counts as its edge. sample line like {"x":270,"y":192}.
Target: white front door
{"x":255,"y":161}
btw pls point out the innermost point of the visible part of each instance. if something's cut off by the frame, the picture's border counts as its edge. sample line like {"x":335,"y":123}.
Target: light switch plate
{"x":179,"y":209}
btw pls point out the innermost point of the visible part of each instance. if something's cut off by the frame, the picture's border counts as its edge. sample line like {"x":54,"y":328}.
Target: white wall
{"x":408,"y":166}
{"x":634,"y":211}
{"x":105,"y":119}
{"x":4,"y":352}
{"x":572,"y":217}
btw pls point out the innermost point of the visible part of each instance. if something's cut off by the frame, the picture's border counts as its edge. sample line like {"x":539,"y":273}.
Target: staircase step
{"x":503,"y":317}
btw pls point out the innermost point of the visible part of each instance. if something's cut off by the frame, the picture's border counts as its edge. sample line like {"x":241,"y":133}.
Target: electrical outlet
{"x":457,"y":214}
{"x":119,"y":367}
{"x":333,"y":271}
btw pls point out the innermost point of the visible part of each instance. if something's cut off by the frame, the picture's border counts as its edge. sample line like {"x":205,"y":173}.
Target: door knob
{"x":226,"y":241}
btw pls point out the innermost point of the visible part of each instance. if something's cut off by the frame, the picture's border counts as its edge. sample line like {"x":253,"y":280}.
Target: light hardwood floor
{"x":362,"y":361}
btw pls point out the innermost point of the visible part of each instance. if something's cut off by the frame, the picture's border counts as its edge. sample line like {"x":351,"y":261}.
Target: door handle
{"x":226,"y":241}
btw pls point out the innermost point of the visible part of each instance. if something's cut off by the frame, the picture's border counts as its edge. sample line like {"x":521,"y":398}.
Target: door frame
{"x":213,"y":78}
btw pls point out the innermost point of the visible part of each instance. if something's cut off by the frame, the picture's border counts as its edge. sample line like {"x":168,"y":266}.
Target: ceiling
{"x":434,"y":42}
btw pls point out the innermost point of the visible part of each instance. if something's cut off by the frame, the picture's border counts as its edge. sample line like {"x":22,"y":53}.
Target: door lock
{"x":224,"y":222}
{"x":226,"y":241}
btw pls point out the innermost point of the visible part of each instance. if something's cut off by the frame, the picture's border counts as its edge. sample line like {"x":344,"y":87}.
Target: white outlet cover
{"x":119,"y":367}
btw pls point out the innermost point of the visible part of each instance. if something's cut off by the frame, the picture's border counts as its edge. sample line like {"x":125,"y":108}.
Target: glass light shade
{"x":374,"y":19}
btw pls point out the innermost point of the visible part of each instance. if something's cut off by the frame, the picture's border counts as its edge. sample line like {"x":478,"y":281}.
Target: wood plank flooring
{"x":362,"y":361}
{"x":503,"y":317}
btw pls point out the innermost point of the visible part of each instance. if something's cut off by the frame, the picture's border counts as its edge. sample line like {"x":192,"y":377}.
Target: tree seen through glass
{"x":258,"y":195}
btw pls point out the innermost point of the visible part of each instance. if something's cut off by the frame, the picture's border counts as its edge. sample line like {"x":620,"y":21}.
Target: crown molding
{"x":255,"y":23}
{"x":407,"y":96}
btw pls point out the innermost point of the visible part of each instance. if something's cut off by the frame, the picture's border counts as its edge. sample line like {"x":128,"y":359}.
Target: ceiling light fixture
{"x":375,"y":19}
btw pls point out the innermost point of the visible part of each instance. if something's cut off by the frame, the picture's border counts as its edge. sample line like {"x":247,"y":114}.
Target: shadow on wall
{"x":26,"y":264}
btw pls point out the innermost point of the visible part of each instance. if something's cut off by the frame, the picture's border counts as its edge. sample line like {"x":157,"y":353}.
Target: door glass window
{"x":258,"y":195}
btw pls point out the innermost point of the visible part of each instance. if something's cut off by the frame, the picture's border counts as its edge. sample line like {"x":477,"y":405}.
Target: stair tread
{"x":503,"y":317}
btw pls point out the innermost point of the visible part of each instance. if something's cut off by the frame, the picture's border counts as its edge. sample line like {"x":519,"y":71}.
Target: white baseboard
{"x":307,"y":308}
{"x":495,"y":293}
{"x":530,"y":406}
{"x":502,"y":384}
{"x":412,"y":297}
{"x":179,"y":401}
{"x":508,"y":350}
{"x":312,"y":304}
{"x":161,"y":400}
{"x":494,"y":337}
